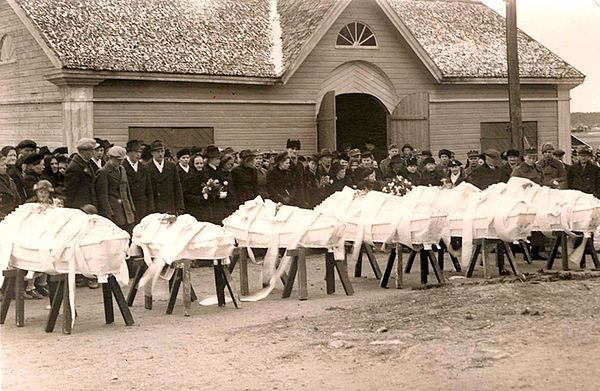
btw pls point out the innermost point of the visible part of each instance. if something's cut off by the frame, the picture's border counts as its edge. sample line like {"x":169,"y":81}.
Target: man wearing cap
{"x":584,"y":175}
{"x":183,"y":163}
{"x":296,"y":174}
{"x":554,"y":174}
{"x":472,"y":159}
{"x":245,"y":180}
{"x":385,"y":164}
{"x":34,"y":168}
{"x":559,"y":155}
{"x":112,"y":190}
{"x":26,"y":148}
{"x":166,"y":186}
{"x":490,"y":172}
{"x":79,"y":177}
{"x":138,"y":177}
{"x":528,"y":169}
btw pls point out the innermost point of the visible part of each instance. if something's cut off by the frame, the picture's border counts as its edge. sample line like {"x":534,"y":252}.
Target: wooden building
{"x":253,"y":73}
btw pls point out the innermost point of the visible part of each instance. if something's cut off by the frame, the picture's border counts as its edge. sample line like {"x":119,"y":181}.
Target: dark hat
{"x":558,"y":153}
{"x":392,"y":146}
{"x":61,"y":151}
{"x":513,"y":152}
{"x":183,"y":152}
{"x":156,"y":145}
{"x":369,"y":140}
{"x":168,"y":153}
{"x":494,"y":154}
{"x":503,"y":155}
{"x":6,"y":149}
{"x":454,"y":163}
{"x":301,"y":158}
{"x":472,"y":153}
{"x":195,"y":150}
{"x":531,"y":151}
{"x":428,"y":160}
{"x":228,"y":151}
{"x":106,"y":144}
{"x":247,"y":154}
{"x":44,"y":151}
{"x":27,"y":144}
{"x":280,"y":157}
{"x":366,"y":155}
{"x":212,"y":151}
{"x":313,"y":158}
{"x":444,"y":152}
{"x":34,"y":158}
{"x":325,"y":152}
{"x":585,"y":151}
{"x":407,"y":146}
{"x":133,"y":145}
{"x":99,"y":143}
{"x":397,"y":159}
{"x":426,"y":152}
{"x":411,"y":162}
{"x":293,"y":144}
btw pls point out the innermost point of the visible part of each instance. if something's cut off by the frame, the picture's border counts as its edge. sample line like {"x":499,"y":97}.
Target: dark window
{"x":497,"y":135}
{"x":175,"y":138}
{"x":356,"y":34}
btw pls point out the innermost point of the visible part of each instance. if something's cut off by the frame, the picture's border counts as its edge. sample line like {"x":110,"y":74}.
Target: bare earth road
{"x":535,"y":335}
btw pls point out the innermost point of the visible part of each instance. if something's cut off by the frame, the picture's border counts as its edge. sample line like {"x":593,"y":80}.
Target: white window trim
{"x":352,"y":46}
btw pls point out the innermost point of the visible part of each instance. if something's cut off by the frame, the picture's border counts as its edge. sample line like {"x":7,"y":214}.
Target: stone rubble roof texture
{"x":233,"y":37}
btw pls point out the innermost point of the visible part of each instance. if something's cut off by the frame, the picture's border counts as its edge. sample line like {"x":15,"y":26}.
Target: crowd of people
{"x":124,"y":184}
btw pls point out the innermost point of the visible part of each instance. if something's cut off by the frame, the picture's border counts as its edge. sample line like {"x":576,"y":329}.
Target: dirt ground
{"x":475,"y":334}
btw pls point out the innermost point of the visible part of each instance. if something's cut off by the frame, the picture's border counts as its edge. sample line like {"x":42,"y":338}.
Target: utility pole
{"x":514,"y":85}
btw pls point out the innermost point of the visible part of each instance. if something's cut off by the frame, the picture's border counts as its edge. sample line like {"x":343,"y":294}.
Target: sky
{"x":571,"y":29}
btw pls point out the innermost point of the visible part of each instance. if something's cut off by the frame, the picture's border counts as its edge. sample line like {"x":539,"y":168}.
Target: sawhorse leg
{"x":373,"y":261}
{"x":411,"y":260}
{"x":389,"y":267}
{"x":473,"y":262}
{"x":13,"y":289}
{"x":136,"y":280}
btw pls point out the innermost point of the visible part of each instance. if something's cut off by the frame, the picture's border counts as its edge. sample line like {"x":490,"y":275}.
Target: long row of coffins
{"x":68,"y":241}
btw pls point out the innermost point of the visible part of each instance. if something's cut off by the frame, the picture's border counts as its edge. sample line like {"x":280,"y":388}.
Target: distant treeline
{"x":589,"y":119}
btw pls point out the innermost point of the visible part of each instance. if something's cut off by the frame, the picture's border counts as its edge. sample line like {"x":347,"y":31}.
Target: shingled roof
{"x":466,"y":39}
{"x":261,"y":38}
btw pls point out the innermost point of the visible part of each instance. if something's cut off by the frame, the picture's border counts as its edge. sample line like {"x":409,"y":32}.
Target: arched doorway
{"x":360,"y":117}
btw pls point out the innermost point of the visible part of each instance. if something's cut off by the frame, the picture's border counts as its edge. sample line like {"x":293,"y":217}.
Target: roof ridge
{"x":276,"y":38}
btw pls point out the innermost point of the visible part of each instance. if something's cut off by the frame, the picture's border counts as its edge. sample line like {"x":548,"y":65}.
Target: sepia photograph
{"x":249,"y":195}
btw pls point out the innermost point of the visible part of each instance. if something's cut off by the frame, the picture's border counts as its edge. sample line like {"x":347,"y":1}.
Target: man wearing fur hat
{"x":168,"y":196}
{"x":112,"y":190}
{"x":34,"y":168}
{"x":183,"y":163}
{"x":554,"y":173}
{"x":296,"y":173}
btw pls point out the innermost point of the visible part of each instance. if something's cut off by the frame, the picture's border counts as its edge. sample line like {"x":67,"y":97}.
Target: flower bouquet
{"x":213,"y":189}
{"x":398,"y":186}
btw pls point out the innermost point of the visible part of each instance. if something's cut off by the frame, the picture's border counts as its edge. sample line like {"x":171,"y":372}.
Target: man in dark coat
{"x":244,"y":176}
{"x":528,"y":168}
{"x":183,"y":164}
{"x":584,"y":175}
{"x":139,"y":180}
{"x":490,"y":172}
{"x":278,"y":179}
{"x":296,"y":173}
{"x":112,"y":190}
{"x":554,"y":174}
{"x":9,"y":196}
{"x":168,"y":196}
{"x":79,"y":177}
{"x":34,"y":169}
{"x":431,"y":175}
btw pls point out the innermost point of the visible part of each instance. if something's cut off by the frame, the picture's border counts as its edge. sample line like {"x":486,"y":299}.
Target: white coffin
{"x":47,"y":239}
{"x":264,"y":224}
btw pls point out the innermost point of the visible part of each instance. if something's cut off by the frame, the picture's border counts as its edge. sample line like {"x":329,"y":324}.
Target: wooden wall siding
{"x":239,"y":126}
{"x":42,"y":122}
{"x":490,"y":92}
{"x":360,"y":77}
{"x":29,"y":105}
{"x":457,"y":126}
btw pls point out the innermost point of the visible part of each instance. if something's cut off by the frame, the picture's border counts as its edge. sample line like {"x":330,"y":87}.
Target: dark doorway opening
{"x":360,"y":117}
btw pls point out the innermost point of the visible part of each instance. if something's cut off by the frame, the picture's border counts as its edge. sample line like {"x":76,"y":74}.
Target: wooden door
{"x":409,"y":124}
{"x":326,"y":133}
{"x":497,"y":135}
